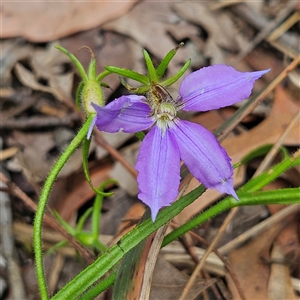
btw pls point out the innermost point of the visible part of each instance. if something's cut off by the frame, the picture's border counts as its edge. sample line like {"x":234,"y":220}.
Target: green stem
{"x":109,"y":259}
{"x":98,"y":206}
{"x":38,"y":221}
{"x":102,"y":75}
{"x":100,"y":287}
{"x":75,"y":61}
{"x":112,"y":256}
{"x":251,"y":186}
{"x":285,"y":196}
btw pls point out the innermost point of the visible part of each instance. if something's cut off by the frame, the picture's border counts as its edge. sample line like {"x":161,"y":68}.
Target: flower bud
{"x":92,"y":93}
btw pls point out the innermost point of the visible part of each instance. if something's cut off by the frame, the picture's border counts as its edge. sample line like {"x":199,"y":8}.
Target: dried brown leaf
{"x":168,"y":282}
{"x":280,"y":284}
{"x":247,"y":265}
{"x":45,"y":21}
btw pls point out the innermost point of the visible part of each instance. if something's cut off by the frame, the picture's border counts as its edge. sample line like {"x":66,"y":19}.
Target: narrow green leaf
{"x":99,"y":288}
{"x":85,"y":154}
{"x":269,"y":175}
{"x":174,"y":78}
{"x":113,"y":255}
{"x":56,"y":247}
{"x":127,"y":86}
{"x":92,"y":71}
{"x":260,"y":151}
{"x":83,"y":218}
{"x":102,"y":75}
{"x":66,"y":225}
{"x":97,"y":207}
{"x":104,"y":84}
{"x":251,"y":186}
{"x":259,"y":198}
{"x":75,"y":61}
{"x":161,"y":69}
{"x":129,"y":74}
{"x":280,"y":196}
{"x":150,"y":67}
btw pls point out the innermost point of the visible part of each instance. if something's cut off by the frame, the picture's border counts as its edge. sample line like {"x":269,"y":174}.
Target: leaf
{"x":45,"y":21}
{"x":251,"y":273}
{"x":168,"y":283}
{"x":280,"y":284}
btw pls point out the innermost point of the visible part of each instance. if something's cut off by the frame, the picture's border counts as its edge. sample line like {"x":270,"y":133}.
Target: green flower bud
{"x":92,"y":93}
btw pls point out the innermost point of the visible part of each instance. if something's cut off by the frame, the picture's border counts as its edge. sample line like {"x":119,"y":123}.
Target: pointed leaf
{"x":174,"y":78}
{"x":92,"y":71}
{"x":129,"y":74}
{"x":75,"y":61}
{"x":85,"y":154}
{"x":161,"y":69}
{"x":150,"y":67}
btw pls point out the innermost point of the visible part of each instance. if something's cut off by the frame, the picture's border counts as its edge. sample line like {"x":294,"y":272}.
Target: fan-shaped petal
{"x":127,"y":113}
{"x":206,"y":159}
{"x":158,"y":164}
{"x":216,"y":86}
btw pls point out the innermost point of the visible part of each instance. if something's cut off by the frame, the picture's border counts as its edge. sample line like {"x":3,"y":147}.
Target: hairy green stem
{"x":251,"y":186}
{"x":38,"y":221}
{"x":100,"y":287}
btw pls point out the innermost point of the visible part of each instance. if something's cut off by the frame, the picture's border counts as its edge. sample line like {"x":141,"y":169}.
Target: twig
{"x":225,"y":262}
{"x":8,"y":249}
{"x":270,"y":156}
{"x":260,"y":22}
{"x":266,"y":31}
{"x":222,"y":229}
{"x":259,"y":228}
{"x":56,"y":268}
{"x":39,"y":121}
{"x":49,"y":219}
{"x":280,"y":30}
{"x":190,"y":250}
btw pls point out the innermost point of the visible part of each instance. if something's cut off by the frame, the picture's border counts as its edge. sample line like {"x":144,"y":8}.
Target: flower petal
{"x":91,"y":128}
{"x":158,"y":164}
{"x":127,"y":113}
{"x":206,"y":159}
{"x":216,"y":86}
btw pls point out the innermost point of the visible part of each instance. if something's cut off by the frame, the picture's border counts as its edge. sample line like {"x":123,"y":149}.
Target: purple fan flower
{"x":171,"y":139}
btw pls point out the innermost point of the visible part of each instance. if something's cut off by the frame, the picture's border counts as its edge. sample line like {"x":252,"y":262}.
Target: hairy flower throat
{"x":163,"y":106}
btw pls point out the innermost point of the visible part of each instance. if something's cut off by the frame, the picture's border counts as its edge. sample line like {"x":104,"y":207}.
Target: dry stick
{"x":39,"y":121}
{"x":266,"y":31}
{"x":220,"y":256}
{"x":194,"y":256}
{"x":8,"y":249}
{"x":193,"y":277}
{"x":49,"y":219}
{"x":274,"y":150}
{"x":155,"y":247}
{"x":280,"y":216}
{"x":56,"y":268}
{"x":259,"y":22}
{"x":262,"y":96}
{"x":269,"y":157}
{"x":286,"y":25}
{"x":233,"y":212}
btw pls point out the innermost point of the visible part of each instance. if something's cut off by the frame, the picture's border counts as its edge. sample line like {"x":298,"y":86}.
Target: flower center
{"x":164,"y":108}
{"x":165,"y":115}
